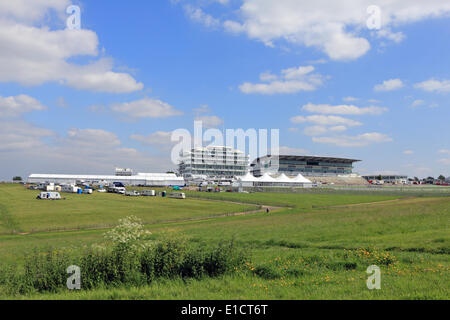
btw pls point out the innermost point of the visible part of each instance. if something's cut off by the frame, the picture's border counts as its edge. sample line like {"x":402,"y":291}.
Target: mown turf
{"x":304,"y":251}
{"x":20,"y":212}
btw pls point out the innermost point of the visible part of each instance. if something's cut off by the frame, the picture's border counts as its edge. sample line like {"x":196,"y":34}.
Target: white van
{"x":49,"y":196}
{"x":177,"y":195}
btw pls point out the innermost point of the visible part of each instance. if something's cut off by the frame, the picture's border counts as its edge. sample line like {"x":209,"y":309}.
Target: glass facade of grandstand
{"x":213,"y":163}
{"x":305,"y":165}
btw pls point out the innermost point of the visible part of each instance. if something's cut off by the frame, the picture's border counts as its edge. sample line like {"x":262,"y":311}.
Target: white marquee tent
{"x":268,"y":181}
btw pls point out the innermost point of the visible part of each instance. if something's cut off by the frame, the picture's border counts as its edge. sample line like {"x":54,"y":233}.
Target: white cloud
{"x":331,"y":26}
{"x":396,"y":37}
{"x":198,"y":15}
{"x":444,"y":161}
{"x":297,"y":73}
{"x":14,"y":106}
{"x":26,"y":149}
{"x":326,"y":120}
{"x":361,"y":140}
{"x":417,"y":103}
{"x":434,"y":85}
{"x":210,"y":121}
{"x":350,"y":99}
{"x":292,"y":151}
{"x":444,"y":151}
{"x":343,"y":109}
{"x":315,"y":130}
{"x":91,"y":138}
{"x":389,"y":85}
{"x":32,"y":55}
{"x":321,"y":130}
{"x":19,"y":135}
{"x":408,"y":152}
{"x":27,"y":11}
{"x":291,"y":80}
{"x":337,"y":128}
{"x":146,"y":108}
{"x":159,"y":139}
{"x":202,"y":109}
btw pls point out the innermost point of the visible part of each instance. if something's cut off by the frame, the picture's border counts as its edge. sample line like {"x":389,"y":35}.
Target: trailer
{"x":133,"y":193}
{"x":49,"y":196}
{"x":148,"y":193}
{"x":177,"y":195}
{"x":69,"y":188}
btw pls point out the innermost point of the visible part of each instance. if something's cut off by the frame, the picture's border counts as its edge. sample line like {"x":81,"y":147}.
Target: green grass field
{"x":308,"y":249}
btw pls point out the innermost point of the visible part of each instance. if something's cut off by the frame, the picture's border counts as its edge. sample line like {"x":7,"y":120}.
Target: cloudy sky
{"x":335,"y":79}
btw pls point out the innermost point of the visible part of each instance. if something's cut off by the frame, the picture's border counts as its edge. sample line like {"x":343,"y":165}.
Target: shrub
{"x":46,"y":271}
{"x":129,"y":261}
{"x":267,"y":272}
{"x":223,"y":259}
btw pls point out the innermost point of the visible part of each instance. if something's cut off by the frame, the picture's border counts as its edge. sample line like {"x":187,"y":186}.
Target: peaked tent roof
{"x":284,"y":178}
{"x":267,"y":178}
{"x":248,"y":178}
{"x":301,"y":178}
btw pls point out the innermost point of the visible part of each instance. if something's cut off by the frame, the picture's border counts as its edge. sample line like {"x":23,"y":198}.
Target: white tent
{"x":301,"y":179}
{"x":284,"y":179}
{"x":266,"y":178}
{"x":248,"y":178}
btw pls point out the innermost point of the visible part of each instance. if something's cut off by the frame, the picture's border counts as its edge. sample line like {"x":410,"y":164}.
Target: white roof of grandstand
{"x":301,"y":178}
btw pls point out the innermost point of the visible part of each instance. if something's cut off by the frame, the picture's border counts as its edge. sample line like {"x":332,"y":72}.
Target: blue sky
{"x":84,"y":101}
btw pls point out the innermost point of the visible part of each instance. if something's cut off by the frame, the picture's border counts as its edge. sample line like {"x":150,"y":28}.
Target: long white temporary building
{"x":139,"y":179}
{"x":268,"y":181}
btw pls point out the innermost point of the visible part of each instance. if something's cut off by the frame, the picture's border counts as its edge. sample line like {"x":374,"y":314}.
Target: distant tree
{"x":380,"y":177}
{"x":430,"y":178}
{"x":17,"y":178}
{"x":441,"y":178}
{"x":416,"y":179}
{"x":170,"y":172}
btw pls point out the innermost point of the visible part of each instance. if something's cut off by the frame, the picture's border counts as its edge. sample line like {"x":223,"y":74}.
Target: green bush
{"x":130,"y":260}
{"x":267,"y":272}
{"x":46,"y":271}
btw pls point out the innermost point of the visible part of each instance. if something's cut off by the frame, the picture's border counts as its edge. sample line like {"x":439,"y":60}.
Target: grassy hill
{"x":317,"y":246}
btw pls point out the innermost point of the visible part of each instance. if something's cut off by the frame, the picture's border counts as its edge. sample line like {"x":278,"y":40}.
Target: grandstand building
{"x":305,"y":165}
{"x":325,"y":170}
{"x":213,"y":163}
